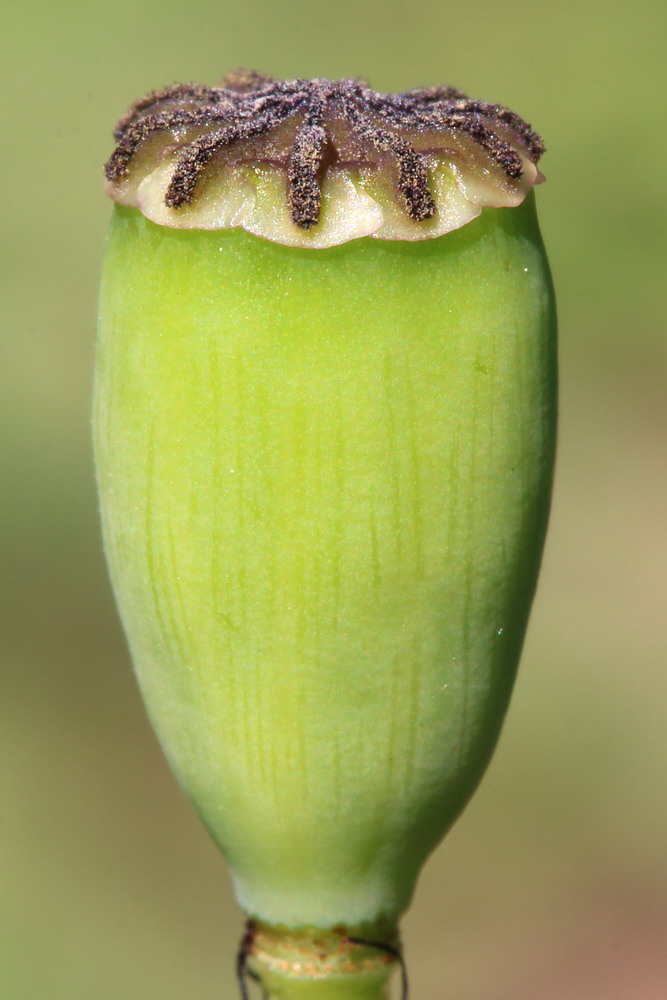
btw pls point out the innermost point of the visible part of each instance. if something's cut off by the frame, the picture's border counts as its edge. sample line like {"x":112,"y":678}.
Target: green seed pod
{"x":324,"y":429}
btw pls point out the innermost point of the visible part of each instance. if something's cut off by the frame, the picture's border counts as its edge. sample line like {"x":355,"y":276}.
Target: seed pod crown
{"x":316,"y":163}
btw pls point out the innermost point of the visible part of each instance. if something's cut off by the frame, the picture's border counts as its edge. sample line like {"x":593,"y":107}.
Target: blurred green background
{"x":553,"y":886}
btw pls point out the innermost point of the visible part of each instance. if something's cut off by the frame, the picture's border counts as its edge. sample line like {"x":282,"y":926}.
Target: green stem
{"x":360,"y":986}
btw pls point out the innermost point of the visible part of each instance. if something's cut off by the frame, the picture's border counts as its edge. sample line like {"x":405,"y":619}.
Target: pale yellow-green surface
{"x":553,"y":885}
{"x":355,"y":203}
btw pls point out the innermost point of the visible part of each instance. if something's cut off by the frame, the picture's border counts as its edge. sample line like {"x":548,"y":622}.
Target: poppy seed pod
{"x":324,"y":431}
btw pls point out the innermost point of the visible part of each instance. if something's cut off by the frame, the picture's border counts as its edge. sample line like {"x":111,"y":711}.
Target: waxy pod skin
{"x":324,"y":432}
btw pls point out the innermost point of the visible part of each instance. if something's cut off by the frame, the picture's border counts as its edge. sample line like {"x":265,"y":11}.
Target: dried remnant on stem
{"x":309,"y":961}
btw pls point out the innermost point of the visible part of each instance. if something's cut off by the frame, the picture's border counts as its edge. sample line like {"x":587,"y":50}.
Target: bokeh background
{"x":553,"y":886}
